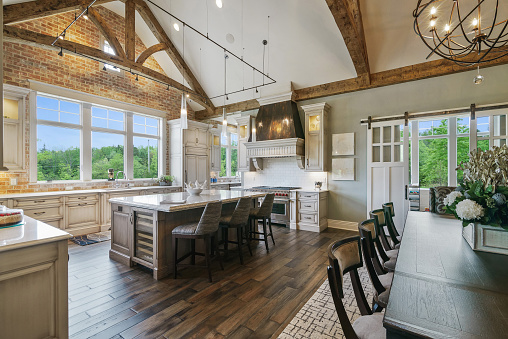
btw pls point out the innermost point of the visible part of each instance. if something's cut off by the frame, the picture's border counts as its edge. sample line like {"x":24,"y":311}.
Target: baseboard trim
{"x":343,"y":225}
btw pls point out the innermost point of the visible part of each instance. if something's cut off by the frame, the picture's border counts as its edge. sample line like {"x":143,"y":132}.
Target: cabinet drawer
{"x":155,"y":191}
{"x":43,"y":213}
{"x":81,"y":214}
{"x":34,"y":202}
{"x":308,"y":196}
{"x":220,"y":187}
{"x":82,"y":198}
{"x":172,"y":190}
{"x":308,"y":206}
{"x":308,"y":218}
{"x":58,"y":223}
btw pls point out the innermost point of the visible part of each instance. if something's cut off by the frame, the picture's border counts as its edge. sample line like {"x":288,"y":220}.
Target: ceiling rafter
{"x":20,"y":35}
{"x":161,"y":35}
{"x":149,"y":51}
{"x":106,"y":31}
{"x":348,"y":18}
{"x":31,"y":10}
{"x":130,"y":30}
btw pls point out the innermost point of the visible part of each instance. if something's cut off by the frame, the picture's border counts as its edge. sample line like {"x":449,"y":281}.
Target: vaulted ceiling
{"x":305,"y":50}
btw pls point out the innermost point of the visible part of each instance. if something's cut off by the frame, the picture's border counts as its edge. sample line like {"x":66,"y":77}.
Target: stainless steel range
{"x":281,"y":208}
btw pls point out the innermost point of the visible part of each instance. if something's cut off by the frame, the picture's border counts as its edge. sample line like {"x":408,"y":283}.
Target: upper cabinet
{"x":316,"y":137}
{"x":14,"y":138}
{"x":196,"y":137}
{"x":244,"y":131}
{"x":215,"y":150}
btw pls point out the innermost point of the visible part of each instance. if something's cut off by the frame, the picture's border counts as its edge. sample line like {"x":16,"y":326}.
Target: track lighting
{"x":62,"y":36}
{"x":168,"y":88}
{"x":137,"y":79}
{"x":61,"y":52}
{"x":104,"y":68}
{"x":86,"y":15}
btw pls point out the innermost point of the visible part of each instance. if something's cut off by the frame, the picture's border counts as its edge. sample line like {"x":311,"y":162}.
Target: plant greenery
{"x":486,"y":183}
{"x":166,"y":178}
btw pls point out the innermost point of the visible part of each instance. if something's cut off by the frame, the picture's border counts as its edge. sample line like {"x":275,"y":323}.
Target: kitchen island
{"x":141,"y":225}
{"x":33,"y":281}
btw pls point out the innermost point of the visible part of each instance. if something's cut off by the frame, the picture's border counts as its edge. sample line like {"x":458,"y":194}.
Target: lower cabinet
{"x":121,"y":234}
{"x":196,"y":168}
{"x":80,"y":215}
{"x":309,"y":210}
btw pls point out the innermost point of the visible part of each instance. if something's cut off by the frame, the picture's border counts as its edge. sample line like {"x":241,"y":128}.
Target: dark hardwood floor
{"x":256,"y":300}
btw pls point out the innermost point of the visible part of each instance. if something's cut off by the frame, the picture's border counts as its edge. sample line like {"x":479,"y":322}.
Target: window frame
{"x":85,"y":127}
{"x":229,"y":148}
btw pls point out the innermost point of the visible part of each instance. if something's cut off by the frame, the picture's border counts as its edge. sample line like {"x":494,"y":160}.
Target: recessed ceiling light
{"x":230,"y":38}
{"x":176,"y":26}
{"x":218,"y":3}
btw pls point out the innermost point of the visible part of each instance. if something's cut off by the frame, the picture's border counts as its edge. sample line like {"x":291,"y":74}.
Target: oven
{"x":280,"y":211}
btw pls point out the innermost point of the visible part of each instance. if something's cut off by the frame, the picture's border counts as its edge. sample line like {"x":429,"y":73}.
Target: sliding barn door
{"x":388,"y":168}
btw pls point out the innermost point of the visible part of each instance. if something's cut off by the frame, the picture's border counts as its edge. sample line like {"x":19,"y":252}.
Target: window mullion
{"x":452,"y":151}
{"x":86,"y":142}
{"x":129,"y":147}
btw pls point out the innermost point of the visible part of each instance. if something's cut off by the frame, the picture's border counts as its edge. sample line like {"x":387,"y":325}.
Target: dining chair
{"x":205,"y":229}
{"x":388,"y":257}
{"x":238,"y":220}
{"x":389,"y":212}
{"x":264,"y":213}
{"x":387,"y":241}
{"x":345,"y":256}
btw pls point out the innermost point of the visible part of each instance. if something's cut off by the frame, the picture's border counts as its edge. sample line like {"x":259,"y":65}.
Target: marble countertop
{"x":162,"y":202}
{"x":33,"y":232}
{"x":226,"y":183}
{"x":92,"y":191}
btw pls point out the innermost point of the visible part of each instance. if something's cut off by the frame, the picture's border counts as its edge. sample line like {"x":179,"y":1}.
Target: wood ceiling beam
{"x":348,"y":18}
{"x":161,"y":35}
{"x":130,"y":29}
{"x":41,"y":8}
{"x":19,"y":35}
{"x":106,"y":31}
{"x":236,"y":107}
{"x":149,"y":51}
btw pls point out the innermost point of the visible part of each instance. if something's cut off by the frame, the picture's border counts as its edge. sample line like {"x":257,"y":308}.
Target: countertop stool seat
{"x":239,"y":220}
{"x":345,"y":256}
{"x":262,"y":213}
{"x":205,"y":229}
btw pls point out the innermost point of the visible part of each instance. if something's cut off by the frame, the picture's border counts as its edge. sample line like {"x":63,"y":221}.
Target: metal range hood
{"x":277,"y":131}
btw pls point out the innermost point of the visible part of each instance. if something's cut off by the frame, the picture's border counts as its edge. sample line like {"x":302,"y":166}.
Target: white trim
{"x":129,"y":148}
{"x":93,"y":99}
{"x":276,"y":98}
{"x":343,"y":225}
{"x":32,"y":175}
{"x":86,"y":142}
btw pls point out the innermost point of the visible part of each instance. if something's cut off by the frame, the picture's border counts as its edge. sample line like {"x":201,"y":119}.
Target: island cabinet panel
{"x":33,"y":292}
{"x":121,"y":234}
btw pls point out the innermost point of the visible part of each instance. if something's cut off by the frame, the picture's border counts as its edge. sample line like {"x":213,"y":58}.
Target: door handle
{"x":185,"y":175}
{"x":130,"y":219}
{"x":406,"y":192}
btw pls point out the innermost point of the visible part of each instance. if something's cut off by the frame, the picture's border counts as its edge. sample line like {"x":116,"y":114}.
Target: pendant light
{"x":183,"y":110}
{"x":224,"y":117}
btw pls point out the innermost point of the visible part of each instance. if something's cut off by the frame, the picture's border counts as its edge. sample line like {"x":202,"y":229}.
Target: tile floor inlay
{"x":318,"y":318}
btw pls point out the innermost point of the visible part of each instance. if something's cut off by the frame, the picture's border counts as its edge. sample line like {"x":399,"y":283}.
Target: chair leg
{"x":193,"y":250}
{"x":216,"y":250}
{"x":271,"y":232}
{"x":207,"y":257}
{"x":239,"y":240}
{"x":225,"y":233}
{"x":175,"y":254}
{"x":265,"y":235}
{"x":248,"y":242}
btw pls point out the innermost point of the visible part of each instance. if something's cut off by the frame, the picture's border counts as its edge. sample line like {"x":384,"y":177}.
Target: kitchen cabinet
{"x":14,"y":136}
{"x":215,"y":154}
{"x":244,"y":130}
{"x":196,"y":168}
{"x":196,"y":137}
{"x":316,"y":137}
{"x":121,"y":234}
{"x":311,"y":210}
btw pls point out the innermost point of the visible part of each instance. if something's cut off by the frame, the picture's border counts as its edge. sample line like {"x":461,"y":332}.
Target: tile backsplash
{"x":283,"y":172}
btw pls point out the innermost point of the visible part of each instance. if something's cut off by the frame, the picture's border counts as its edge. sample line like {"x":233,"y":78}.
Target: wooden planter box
{"x":486,"y":238}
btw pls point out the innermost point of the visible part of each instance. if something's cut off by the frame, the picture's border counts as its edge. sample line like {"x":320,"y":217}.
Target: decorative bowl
{"x":194,"y":191}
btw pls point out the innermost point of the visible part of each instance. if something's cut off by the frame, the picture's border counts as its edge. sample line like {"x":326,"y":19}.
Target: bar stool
{"x":345,"y":256}
{"x":379,"y":215}
{"x":264,"y":213}
{"x":390,"y":225}
{"x":382,"y":281}
{"x":388,"y":257}
{"x":205,"y":229}
{"x":239,"y":220}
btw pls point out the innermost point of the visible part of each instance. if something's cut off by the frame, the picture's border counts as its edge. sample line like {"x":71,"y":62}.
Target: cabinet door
{"x":13,"y":147}
{"x":202,"y":168}
{"x":82,"y":214}
{"x":189,"y":137}
{"x":243,"y":162}
{"x":202,"y":138}
{"x":191,"y":171}
{"x":313,"y":160}
{"x":144,"y":226}
{"x":215,"y":160}
{"x":121,"y":230}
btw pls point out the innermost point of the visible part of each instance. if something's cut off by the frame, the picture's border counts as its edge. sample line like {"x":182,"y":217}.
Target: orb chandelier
{"x":467,"y":32}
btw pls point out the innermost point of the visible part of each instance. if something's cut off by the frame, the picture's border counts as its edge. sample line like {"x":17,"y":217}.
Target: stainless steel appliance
{"x":281,"y":213}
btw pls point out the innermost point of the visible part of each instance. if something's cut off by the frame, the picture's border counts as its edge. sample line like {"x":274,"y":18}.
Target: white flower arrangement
{"x":468,"y":209}
{"x":450,"y":198}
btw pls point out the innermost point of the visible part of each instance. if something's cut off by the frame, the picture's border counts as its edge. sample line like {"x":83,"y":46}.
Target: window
{"x":433,"y":153}
{"x":106,"y":47}
{"x":79,"y":141}
{"x":463,"y":125}
{"x":229,"y":155}
{"x":58,"y":139}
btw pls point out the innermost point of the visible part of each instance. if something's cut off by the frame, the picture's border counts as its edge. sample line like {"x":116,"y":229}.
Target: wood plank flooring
{"x":256,"y":300}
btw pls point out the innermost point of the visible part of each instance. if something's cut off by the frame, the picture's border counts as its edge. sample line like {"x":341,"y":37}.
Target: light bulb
{"x":475,"y":22}
{"x":478,"y":79}
{"x":218,"y":3}
{"x":433,"y":10}
{"x":188,"y":95}
{"x":433,"y":22}
{"x":85,"y":16}
{"x":447,"y":28}
{"x":176,"y":26}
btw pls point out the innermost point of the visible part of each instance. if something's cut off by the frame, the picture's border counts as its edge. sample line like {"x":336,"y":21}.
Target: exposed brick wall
{"x":23,"y":62}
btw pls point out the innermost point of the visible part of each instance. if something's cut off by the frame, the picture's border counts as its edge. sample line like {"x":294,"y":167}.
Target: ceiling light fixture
{"x":86,"y":15}
{"x":61,"y":52}
{"x":183,"y":110}
{"x":224,"y":117}
{"x":466,"y":40}
{"x":218,"y":3}
{"x":478,"y":79}
{"x":176,"y":26}
{"x":104,"y":68}
{"x":137,"y":79}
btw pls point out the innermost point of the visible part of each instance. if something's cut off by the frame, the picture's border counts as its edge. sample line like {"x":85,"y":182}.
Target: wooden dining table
{"x":442,"y":288}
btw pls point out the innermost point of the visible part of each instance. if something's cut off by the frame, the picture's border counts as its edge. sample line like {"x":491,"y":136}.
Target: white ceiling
{"x":305,"y":44}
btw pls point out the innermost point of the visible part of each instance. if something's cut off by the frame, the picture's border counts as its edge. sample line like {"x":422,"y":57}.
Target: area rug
{"x":318,"y":318}
{"x":93,"y":238}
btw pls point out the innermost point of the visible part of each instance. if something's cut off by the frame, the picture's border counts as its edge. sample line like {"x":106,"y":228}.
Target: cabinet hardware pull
{"x":84,"y":204}
{"x":39,"y":201}
{"x":81,"y":198}
{"x":308,"y":205}
{"x":39,"y":213}
{"x":308,"y":218}
{"x":130,"y":218}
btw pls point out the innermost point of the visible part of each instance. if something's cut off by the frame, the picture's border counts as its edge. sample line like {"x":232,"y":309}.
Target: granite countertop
{"x":92,"y":191}
{"x":162,"y":202}
{"x":32,"y":233}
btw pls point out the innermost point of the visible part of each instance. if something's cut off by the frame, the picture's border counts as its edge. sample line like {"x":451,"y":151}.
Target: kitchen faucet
{"x":117,"y":184}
